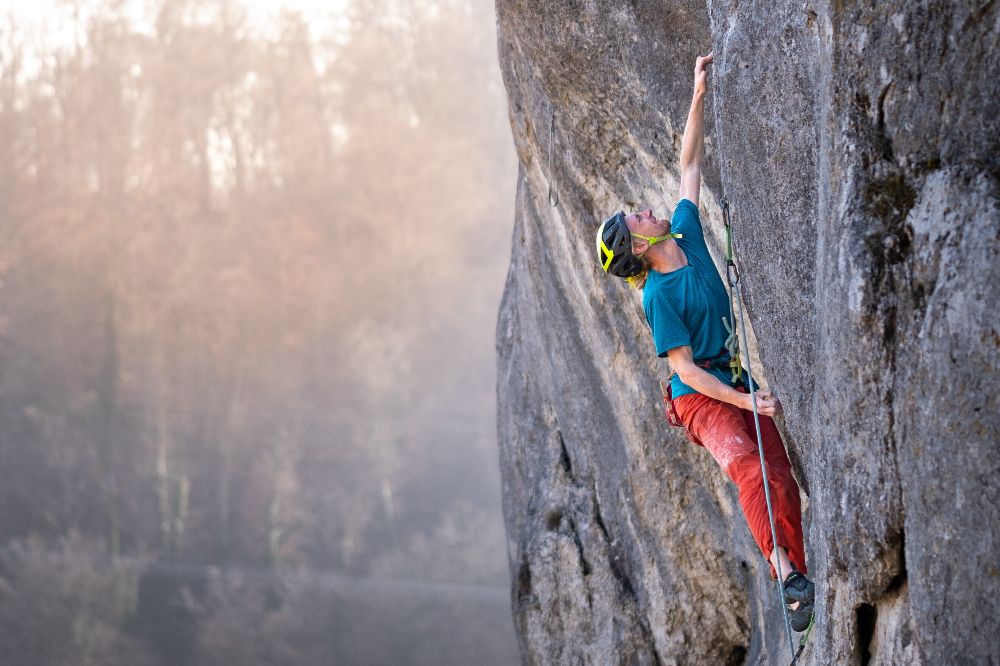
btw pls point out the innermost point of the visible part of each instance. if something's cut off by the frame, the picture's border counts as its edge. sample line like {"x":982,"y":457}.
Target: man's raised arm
{"x":692,"y":146}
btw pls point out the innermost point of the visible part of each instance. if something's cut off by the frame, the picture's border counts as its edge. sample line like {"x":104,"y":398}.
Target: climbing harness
{"x":733,"y":277}
{"x":668,"y":403}
{"x":553,"y":190}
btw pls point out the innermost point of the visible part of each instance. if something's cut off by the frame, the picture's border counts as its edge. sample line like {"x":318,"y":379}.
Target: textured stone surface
{"x":858,"y":146}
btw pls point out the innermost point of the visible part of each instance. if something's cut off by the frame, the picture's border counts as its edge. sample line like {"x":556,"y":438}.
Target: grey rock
{"x":858,"y":147}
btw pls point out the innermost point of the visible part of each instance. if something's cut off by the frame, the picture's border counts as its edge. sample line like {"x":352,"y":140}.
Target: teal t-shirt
{"x":685,"y":307}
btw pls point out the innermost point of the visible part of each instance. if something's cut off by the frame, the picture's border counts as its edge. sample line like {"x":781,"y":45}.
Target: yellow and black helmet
{"x":614,"y":248}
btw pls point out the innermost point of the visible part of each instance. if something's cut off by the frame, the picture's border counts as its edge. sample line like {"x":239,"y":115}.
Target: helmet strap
{"x":653,"y":240}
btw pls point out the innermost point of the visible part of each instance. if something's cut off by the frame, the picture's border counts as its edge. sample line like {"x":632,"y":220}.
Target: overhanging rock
{"x":858,"y":147}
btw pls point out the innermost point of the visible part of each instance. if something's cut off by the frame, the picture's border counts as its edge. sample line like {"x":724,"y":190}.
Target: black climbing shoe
{"x":799,"y":588}
{"x":800,"y":617}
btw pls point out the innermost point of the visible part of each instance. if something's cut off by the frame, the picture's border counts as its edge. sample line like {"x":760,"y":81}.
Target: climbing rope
{"x":733,"y":277}
{"x":553,"y":191}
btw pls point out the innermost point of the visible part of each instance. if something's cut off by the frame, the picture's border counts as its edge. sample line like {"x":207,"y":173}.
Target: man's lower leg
{"x":778,"y":555}
{"x":799,"y":590}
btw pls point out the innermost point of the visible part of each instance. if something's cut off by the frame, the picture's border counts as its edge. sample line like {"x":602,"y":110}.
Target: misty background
{"x":251,"y":256}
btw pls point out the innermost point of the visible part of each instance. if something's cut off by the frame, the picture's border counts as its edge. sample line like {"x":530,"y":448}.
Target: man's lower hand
{"x":767,"y":403}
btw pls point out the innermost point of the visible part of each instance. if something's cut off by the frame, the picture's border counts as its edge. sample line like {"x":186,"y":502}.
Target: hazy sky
{"x":249,"y":306}
{"x":41,"y":26}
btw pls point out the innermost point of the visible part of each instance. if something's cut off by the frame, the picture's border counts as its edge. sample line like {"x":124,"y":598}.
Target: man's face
{"x":645,"y":224}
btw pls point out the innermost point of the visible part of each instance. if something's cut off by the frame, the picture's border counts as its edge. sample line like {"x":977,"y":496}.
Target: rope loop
{"x":553,"y":191}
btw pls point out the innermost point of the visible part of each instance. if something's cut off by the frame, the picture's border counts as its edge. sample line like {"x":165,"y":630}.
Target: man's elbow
{"x":686,"y":373}
{"x":690,"y":171}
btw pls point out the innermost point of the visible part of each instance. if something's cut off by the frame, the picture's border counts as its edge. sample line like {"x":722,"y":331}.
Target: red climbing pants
{"x":728,"y":432}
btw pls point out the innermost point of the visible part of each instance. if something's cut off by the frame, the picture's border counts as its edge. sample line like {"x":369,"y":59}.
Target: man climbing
{"x":688,"y":312}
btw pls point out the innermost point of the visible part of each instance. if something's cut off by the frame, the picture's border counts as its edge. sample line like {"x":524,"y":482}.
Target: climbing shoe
{"x":799,"y":588}
{"x":800,"y":617}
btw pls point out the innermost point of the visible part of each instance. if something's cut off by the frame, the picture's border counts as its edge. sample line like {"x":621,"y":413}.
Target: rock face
{"x":858,"y":146}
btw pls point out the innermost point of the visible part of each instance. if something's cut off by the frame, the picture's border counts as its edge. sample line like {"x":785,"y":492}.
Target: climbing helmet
{"x":614,"y":248}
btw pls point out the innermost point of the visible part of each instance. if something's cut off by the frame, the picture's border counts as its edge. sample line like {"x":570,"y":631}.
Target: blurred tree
{"x":249,"y":279}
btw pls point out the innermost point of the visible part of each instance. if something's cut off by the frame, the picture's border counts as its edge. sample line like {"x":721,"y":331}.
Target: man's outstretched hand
{"x":701,"y":74}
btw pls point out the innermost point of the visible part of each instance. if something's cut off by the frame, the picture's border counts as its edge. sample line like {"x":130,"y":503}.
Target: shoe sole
{"x":801,"y":617}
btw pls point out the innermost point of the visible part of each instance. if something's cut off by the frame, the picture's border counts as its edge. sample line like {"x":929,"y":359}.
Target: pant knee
{"x":782,"y":477}
{"x":744,"y":469}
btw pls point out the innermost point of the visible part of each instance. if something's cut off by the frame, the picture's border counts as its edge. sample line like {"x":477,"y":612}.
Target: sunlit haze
{"x":247,"y":374}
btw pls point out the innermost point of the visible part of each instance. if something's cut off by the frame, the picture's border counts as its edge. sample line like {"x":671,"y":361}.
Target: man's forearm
{"x":694,"y":134}
{"x":708,"y":384}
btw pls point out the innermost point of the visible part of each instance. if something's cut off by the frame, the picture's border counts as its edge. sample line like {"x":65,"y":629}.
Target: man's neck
{"x":666,"y":256}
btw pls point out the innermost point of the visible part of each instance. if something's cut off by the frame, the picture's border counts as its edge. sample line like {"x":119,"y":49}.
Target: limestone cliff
{"x":858,"y":146}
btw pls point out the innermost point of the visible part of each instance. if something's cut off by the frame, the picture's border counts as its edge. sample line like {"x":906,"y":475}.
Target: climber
{"x":685,"y":303}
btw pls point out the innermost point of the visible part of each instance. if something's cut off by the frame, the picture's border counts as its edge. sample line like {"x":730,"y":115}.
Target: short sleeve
{"x":685,"y":220}
{"x":666,"y":325}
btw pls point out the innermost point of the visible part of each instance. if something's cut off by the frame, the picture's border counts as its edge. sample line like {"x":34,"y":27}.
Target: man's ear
{"x":639,"y":246}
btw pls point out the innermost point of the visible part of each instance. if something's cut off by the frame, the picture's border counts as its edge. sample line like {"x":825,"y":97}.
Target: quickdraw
{"x":553,"y":188}
{"x":803,"y":639}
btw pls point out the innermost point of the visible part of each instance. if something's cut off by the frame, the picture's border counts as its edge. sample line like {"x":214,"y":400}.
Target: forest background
{"x":250,"y":263}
